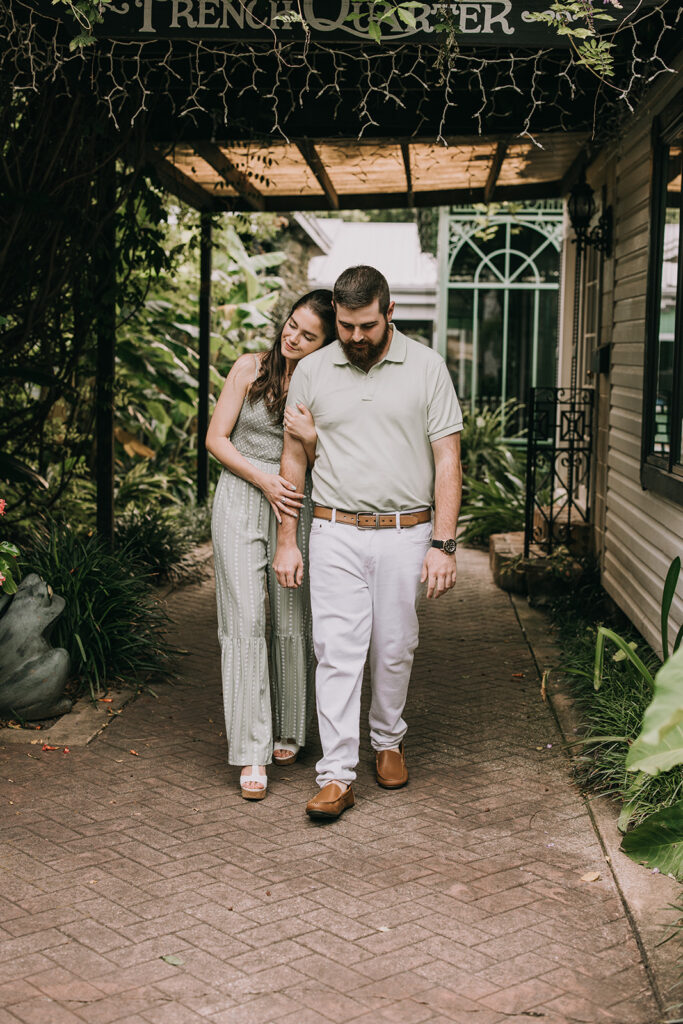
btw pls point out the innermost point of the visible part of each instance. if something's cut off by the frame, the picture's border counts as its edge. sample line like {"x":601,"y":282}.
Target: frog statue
{"x":32,"y":674}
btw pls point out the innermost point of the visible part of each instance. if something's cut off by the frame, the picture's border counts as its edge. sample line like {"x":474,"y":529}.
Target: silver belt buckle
{"x":375,"y":526}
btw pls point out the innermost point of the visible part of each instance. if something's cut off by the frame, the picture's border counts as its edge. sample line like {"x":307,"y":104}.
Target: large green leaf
{"x":15,"y":470}
{"x":658,"y":841}
{"x":667,"y":598}
{"x":659,"y":746}
{"x":609,"y":634}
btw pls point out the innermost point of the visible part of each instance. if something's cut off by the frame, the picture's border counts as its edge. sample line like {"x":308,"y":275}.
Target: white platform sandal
{"x":292,"y":752}
{"x":254,"y":776}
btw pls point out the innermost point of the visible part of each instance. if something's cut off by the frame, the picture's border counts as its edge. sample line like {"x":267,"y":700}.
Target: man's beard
{"x":365,"y":354}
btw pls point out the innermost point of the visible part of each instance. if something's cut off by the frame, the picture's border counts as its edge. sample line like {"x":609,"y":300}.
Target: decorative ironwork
{"x":559,"y":443}
{"x":499,"y":285}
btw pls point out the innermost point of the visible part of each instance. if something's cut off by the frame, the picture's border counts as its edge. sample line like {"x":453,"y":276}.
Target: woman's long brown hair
{"x":269,"y":384}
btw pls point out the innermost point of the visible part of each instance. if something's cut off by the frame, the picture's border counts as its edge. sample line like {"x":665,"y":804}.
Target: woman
{"x":245,"y":435}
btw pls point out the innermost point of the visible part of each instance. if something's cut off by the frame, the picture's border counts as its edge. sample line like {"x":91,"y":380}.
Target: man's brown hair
{"x":360,"y":286}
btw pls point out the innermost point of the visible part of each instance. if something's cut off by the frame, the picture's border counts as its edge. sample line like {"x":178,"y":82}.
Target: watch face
{"x":449,"y":546}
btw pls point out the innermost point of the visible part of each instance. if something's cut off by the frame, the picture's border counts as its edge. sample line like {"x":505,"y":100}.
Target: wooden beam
{"x":310,"y":155}
{"x":494,"y":171}
{"x":405,"y":152}
{"x":399,"y":200}
{"x":230,"y":174}
{"x":182,"y":186}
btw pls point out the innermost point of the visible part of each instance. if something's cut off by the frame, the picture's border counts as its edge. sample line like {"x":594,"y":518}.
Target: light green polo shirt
{"x":375,"y":429}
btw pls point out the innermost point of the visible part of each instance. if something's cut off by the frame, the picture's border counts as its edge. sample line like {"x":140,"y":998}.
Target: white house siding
{"x":638,"y":531}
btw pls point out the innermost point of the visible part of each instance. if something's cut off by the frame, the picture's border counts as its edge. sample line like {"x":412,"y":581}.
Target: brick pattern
{"x":456,"y":899}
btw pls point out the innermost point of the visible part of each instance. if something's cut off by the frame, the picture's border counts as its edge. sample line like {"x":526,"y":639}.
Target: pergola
{"x":253,"y":111}
{"x":315,"y":174}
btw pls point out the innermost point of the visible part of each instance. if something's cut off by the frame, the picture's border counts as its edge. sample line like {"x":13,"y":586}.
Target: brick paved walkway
{"x":456,"y":899}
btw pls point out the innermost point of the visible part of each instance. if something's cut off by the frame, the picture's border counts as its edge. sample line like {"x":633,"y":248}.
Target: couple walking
{"x":375,"y":418}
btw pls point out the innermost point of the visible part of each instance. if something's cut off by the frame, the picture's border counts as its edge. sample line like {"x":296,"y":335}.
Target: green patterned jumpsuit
{"x":244,"y":531}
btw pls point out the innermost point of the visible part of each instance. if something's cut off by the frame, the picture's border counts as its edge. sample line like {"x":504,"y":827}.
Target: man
{"x":388,"y":449}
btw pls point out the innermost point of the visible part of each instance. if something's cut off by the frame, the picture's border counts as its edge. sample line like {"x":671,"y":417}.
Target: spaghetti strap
{"x":257,"y":361}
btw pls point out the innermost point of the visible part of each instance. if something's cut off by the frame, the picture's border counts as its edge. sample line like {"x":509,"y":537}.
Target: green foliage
{"x":493,"y":484}
{"x":658,"y":841}
{"x":8,"y":555}
{"x":578,"y":20}
{"x":66,"y":228}
{"x":491,"y":506}
{"x":87,"y":14}
{"x":659,"y":745}
{"x":161,"y":539}
{"x":670,"y":585}
{"x":381,"y":13}
{"x":627,"y":650}
{"x":112,"y":627}
{"x":484,"y":440}
{"x":612,"y":715}
{"x":157,"y":360}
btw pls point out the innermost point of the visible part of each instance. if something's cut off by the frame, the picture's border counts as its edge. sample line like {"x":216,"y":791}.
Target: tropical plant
{"x":493,"y":484}
{"x":485,"y":448}
{"x":161,"y":540}
{"x":658,"y":747}
{"x":627,"y":650}
{"x":8,"y":556}
{"x":658,"y":841}
{"x":491,"y":506}
{"x":112,"y":626}
{"x":157,"y":360}
{"x":613,"y":714}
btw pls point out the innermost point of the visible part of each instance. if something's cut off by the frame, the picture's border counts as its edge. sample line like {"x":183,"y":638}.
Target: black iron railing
{"x":560,"y":434}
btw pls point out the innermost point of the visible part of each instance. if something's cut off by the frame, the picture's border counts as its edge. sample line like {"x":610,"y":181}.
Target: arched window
{"x":499,"y":286}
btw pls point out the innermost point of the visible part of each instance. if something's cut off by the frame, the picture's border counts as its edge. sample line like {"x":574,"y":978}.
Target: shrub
{"x":615,"y":710}
{"x":112,"y":626}
{"x":493,"y":477}
{"x":492,"y":506}
{"x":485,"y":447}
{"x":161,"y":539}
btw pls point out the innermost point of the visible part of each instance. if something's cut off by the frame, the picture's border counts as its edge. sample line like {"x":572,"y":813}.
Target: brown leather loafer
{"x":331,"y":801}
{"x":391,"y":768}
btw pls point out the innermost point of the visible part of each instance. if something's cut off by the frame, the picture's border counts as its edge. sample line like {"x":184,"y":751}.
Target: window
{"x":663,"y":396}
{"x":500,"y":285}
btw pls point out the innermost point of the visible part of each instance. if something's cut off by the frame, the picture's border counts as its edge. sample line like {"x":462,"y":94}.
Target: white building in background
{"x":395,"y":250}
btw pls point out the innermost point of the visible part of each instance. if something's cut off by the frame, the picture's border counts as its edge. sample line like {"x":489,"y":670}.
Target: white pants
{"x":364,"y":590}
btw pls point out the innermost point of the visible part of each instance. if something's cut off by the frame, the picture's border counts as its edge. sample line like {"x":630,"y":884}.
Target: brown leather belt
{"x":374,"y":520}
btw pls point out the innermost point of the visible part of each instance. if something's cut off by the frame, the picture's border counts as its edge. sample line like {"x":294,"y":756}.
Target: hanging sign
{"x":489,"y":23}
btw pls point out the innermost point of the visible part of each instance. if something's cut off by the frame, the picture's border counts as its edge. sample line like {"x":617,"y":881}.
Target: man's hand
{"x":288,"y":565}
{"x":438,"y":569}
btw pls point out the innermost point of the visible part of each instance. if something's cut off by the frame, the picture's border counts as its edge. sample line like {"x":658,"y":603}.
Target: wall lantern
{"x":581,"y":209}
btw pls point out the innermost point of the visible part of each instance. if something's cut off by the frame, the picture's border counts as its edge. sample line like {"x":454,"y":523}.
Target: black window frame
{"x":662,"y":474}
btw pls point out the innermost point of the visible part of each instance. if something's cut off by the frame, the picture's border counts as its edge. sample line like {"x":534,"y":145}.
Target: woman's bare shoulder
{"x":242,"y":370}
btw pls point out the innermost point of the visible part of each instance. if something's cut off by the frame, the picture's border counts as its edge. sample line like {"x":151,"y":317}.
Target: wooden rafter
{"x":405,"y":152}
{"x":310,"y":155}
{"x":182,"y":185}
{"x":397,"y":200}
{"x":496,"y":164}
{"x":230,"y":174}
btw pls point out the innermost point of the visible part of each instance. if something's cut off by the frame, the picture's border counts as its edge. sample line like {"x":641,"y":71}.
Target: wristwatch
{"x":448,"y":546}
